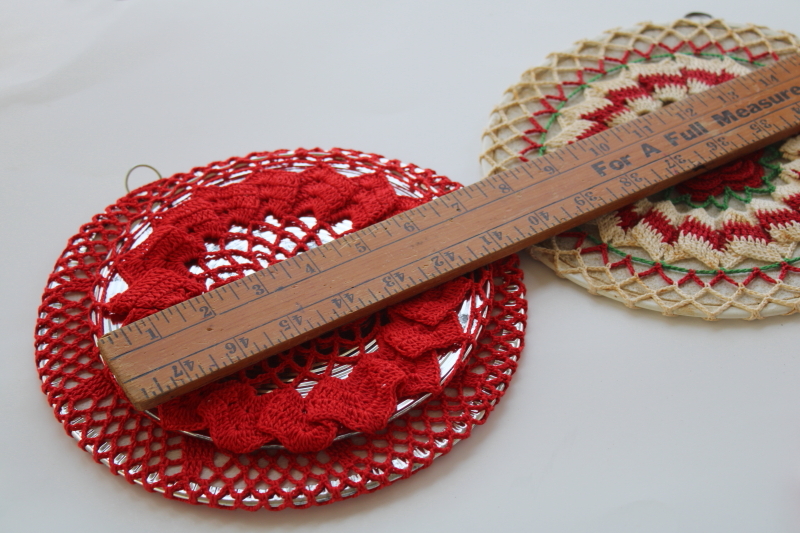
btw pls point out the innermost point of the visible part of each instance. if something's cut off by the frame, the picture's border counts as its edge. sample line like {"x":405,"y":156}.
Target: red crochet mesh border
{"x":92,"y":410}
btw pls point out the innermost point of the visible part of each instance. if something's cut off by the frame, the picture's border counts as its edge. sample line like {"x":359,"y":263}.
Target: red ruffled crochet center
{"x":245,"y":220}
{"x":738,"y":176}
{"x":119,"y":251}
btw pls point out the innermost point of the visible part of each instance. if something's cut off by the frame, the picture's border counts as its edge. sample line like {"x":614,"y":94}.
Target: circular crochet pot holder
{"x":345,"y":414}
{"x":721,"y":245}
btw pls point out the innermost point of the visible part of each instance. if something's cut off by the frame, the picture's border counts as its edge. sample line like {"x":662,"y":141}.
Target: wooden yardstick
{"x":217,"y":333}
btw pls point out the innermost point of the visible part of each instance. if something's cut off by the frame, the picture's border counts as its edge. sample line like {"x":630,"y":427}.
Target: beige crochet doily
{"x":722,"y":245}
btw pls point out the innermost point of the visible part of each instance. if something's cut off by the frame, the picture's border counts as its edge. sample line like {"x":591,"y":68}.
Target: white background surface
{"x":616,"y":421}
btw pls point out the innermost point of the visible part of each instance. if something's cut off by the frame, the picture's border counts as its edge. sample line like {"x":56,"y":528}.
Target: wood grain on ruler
{"x":217,"y":333}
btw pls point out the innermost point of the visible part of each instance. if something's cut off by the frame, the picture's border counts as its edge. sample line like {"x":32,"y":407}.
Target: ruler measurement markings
{"x":153,"y":325}
{"x":425,"y":274}
{"x":448,"y":256}
{"x":519,"y":171}
{"x":285,"y":270}
{"x":534,"y":162}
{"x":672,"y":109}
{"x":571,"y":151}
{"x":742,"y":137}
{"x":122,"y":331}
{"x":187,"y":365}
{"x":508,"y":188}
{"x":268,"y":339}
{"x":374,"y":298}
{"x":526,"y":171}
{"x":700,"y":157}
{"x":742,"y":83}
{"x":310,"y":259}
{"x":233,"y":291}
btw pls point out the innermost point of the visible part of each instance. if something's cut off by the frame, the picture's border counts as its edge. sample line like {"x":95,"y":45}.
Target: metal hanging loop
{"x":698,"y":15}
{"x":128,"y":175}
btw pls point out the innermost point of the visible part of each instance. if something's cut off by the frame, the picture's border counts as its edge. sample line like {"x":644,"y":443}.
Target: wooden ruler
{"x":217,"y":333}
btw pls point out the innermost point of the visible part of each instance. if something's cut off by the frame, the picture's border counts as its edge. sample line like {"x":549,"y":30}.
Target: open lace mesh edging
{"x":722,"y":245}
{"x":93,"y":410}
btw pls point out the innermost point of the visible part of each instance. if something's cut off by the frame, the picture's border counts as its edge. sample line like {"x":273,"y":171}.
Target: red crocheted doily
{"x":188,"y":234}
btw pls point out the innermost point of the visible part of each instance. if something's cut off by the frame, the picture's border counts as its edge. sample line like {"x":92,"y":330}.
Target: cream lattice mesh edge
{"x":529,"y":121}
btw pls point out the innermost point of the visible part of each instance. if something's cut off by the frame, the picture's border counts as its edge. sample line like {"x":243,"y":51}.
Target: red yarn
{"x":736,"y":176}
{"x":778,"y":218}
{"x":695,"y":228}
{"x":625,"y":96}
{"x":653,"y":82}
{"x":658,"y":222}
{"x":627,"y":217}
{"x":208,"y":236}
{"x":707,"y":77}
{"x":745,"y":231}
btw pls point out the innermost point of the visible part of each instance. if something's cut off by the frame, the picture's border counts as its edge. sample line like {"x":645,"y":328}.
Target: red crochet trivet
{"x":190,"y":233}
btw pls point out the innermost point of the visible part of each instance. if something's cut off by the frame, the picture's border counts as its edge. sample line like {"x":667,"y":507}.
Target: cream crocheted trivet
{"x":722,"y":245}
